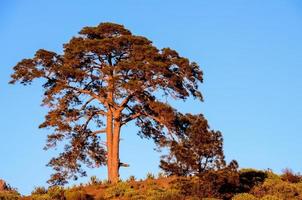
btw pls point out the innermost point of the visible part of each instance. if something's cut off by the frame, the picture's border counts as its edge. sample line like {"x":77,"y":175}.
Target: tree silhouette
{"x":105,"y":78}
{"x":195,"y":150}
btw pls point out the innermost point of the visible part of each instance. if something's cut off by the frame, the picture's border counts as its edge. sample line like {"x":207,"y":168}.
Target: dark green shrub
{"x":219,"y":184}
{"x":248,"y":178}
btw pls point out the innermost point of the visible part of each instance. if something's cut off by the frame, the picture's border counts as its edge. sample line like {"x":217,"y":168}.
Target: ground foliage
{"x":229,"y":183}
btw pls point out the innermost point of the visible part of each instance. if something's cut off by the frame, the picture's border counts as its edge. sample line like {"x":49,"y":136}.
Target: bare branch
{"x":98,"y":132}
{"x":131,"y":117}
{"x":87,"y":102}
{"x":125,"y":102}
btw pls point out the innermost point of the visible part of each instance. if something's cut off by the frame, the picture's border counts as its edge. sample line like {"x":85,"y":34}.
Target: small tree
{"x":105,"y":78}
{"x":195,"y":149}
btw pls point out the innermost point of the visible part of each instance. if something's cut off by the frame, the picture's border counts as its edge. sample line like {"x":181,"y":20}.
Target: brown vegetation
{"x":227,"y":184}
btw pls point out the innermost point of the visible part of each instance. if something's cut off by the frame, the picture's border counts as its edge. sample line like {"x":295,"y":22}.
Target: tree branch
{"x":131,"y":117}
{"x":83,"y":91}
{"x":99,"y":131}
{"x":125,"y":102}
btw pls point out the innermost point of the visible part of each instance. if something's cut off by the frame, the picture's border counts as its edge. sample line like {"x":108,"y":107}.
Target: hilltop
{"x":246,"y":184}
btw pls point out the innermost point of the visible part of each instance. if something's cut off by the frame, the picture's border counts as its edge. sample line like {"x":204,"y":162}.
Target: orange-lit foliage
{"x":105,"y":78}
{"x":290,"y":176}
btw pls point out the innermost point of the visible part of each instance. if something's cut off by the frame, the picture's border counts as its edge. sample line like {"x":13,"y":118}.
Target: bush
{"x":248,"y":178}
{"x":56,"y":193}
{"x":161,"y":175}
{"x":244,"y":196}
{"x":40,"y":197}
{"x":164,"y":195}
{"x":94,"y":180}
{"x":196,"y":187}
{"x":131,"y":179}
{"x":289,"y":176}
{"x":221,"y":184}
{"x":271,"y":175}
{"x":150,"y":176}
{"x":270,"y":197}
{"x":118,"y":190}
{"x":39,"y":191}
{"x":106,"y":182}
{"x":9,"y":195}
{"x":77,"y":195}
{"x":196,"y":198}
{"x":278,"y":188}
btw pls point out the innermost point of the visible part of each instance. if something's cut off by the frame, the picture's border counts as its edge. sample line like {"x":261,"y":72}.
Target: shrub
{"x":270,"y":197}
{"x":278,"y":188}
{"x":248,"y":178}
{"x":40,"y":197}
{"x":99,"y":198}
{"x":195,"y":187}
{"x":289,"y":176}
{"x":77,"y":195}
{"x":94,"y":180}
{"x":150,"y":176}
{"x":39,"y":191}
{"x":165,"y":195}
{"x":118,"y":190}
{"x":161,"y":175}
{"x":105,"y":182}
{"x":271,"y":175}
{"x":131,"y":179}
{"x":56,"y":193}
{"x":221,"y":184}
{"x":9,"y":195}
{"x":244,"y":196}
{"x":196,"y":198}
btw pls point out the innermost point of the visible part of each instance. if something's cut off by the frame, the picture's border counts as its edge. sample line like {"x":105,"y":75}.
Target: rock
{"x":3,"y":185}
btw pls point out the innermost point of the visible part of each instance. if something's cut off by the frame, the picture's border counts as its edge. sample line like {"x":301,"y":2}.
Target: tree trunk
{"x":113,"y":135}
{"x":115,"y":151}
{"x":109,"y":137}
{"x":113,"y":140}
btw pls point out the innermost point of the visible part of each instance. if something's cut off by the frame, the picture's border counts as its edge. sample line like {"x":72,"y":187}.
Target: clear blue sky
{"x":250,"y":52}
